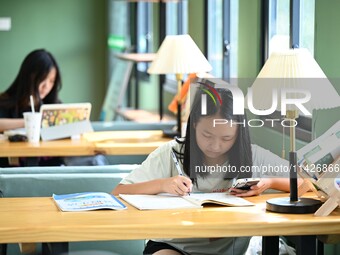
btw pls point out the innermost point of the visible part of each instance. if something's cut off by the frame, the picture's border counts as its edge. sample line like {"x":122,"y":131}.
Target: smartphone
{"x":245,"y":183}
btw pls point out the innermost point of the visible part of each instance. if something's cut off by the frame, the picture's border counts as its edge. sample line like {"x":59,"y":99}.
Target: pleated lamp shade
{"x":178,"y":54}
{"x":297,"y":69}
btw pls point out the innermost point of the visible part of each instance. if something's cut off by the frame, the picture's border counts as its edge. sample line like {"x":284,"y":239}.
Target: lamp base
{"x":171,"y":133}
{"x":285,"y":205}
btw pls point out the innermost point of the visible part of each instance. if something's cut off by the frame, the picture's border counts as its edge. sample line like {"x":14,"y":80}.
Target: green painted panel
{"x":327,"y":54}
{"x":196,"y":22}
{"x":73,"y":31}
{"x":249,"y":38}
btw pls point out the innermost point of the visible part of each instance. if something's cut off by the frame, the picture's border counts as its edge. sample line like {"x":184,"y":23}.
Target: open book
{"x":87,"y":201}
{"x":195,"y":200}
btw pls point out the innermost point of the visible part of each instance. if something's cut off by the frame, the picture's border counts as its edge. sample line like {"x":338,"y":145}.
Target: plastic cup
{"x":32,"y":126}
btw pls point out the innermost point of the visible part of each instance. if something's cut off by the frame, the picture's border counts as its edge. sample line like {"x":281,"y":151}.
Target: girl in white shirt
{"x":212,"y":157}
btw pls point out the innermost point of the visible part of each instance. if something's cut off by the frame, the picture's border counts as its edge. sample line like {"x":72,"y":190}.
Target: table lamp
{"x":293,"y":70}
{"x":178,"y":54}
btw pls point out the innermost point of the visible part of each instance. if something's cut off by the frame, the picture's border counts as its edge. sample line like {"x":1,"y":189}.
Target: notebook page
{"x":158,"y":202}
{"x":218,"y":198}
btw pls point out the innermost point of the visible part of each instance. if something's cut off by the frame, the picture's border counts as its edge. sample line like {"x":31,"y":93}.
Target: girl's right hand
{"x":177,"y":185}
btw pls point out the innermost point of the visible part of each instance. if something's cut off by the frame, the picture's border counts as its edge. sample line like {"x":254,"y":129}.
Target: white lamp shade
{"x":294,"y":69}
{"x":179,"y":54}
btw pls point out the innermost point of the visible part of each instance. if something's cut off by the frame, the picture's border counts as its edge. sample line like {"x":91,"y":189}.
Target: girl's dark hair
{"x":240,"y":153}
{"x":34,"y":69}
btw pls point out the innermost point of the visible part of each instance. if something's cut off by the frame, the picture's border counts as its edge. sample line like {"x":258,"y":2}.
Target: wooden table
{"x":140,"y":142}
{"x":38,"y":220}
{"x":137,"y":57}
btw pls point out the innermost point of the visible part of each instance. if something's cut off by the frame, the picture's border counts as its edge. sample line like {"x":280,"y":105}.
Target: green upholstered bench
{"x":120,"y":168}
{"x":44,"y":181}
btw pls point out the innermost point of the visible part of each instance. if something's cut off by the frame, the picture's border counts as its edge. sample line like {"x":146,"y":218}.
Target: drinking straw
{"x":32,"y":103}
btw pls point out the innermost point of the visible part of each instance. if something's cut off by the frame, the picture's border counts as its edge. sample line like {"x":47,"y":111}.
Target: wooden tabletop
{"x":140,"y":142}
{"x":137,"y":57}
{"x":39,"y":220}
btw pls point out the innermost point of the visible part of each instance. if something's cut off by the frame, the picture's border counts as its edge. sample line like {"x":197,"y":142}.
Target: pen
{"x":179,"y":170}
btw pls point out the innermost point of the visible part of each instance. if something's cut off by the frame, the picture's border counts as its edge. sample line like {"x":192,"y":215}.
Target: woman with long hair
{"x":38,"y":76}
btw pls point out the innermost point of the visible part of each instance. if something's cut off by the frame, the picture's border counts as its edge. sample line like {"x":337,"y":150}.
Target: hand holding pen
{"x":180,"y":172}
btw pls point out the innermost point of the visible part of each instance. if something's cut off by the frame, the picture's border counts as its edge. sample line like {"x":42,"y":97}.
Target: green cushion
{"x":44,"y":185}
{"x":120,"y":168}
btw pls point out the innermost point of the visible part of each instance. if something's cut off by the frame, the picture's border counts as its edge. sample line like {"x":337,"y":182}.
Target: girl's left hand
{"x":254,"y":190}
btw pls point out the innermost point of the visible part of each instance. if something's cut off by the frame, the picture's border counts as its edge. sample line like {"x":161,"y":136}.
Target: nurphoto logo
{"x":277,"y":95}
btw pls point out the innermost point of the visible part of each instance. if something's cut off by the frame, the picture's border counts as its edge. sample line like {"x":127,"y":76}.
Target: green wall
{"x":327,"y":54}
{"x":73,"y":31}
{"x":249,"y":38}
{"x":196,"y":22}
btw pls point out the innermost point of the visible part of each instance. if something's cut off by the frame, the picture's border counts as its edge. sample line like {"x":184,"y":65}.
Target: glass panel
{"x":307,"y":25}
{"x":278,"y":25}
{"x":184,"y":14}
{"x":172,"y":18}
{"x":144,"y":31}
{"x":177,"y":17}
{"x":215,"y":36}
{"x":223,"y":37}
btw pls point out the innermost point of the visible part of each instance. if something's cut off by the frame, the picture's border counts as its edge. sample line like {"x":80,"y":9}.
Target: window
{"x":222,"y":19}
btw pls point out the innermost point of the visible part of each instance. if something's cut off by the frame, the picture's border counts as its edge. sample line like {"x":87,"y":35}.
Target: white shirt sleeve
{"x":157,"y":165}
{"x":268,"y":164}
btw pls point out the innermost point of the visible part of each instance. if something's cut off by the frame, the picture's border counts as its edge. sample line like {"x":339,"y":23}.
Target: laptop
{"x":65,"y":120}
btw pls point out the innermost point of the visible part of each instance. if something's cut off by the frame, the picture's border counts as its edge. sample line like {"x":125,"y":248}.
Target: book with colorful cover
{"x":87,"y":201}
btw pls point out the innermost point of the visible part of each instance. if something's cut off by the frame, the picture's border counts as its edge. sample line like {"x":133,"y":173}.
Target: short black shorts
{"x":152,"y":247}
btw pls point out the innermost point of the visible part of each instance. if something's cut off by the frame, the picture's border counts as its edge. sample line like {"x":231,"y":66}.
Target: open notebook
{"x":195,"y":200}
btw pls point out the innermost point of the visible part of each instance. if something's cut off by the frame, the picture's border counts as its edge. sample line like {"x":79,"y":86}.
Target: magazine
{"x":87,"y":201}
{"x":194,"y":200}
